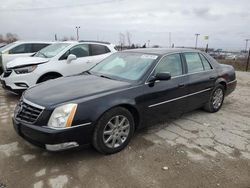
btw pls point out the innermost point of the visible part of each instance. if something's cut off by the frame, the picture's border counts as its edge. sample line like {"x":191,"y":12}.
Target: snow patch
{"x":59,"y":181}
{"x":9,"y":149}
{"x":28,"y":157}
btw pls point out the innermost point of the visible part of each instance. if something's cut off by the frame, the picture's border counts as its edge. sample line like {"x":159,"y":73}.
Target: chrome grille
{"x":27,"y":112}
{"x":7,"y":72}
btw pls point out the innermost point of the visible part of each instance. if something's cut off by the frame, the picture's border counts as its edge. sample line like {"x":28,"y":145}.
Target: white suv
{"x":19,"y":49}
{"x":56,"y":60}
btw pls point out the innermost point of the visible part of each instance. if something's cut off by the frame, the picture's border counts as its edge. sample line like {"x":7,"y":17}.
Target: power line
{"x":58,"y":7}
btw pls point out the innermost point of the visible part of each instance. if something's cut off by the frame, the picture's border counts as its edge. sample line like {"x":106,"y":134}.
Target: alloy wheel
{"x":217,"y":98}
{"x":116,"y":131}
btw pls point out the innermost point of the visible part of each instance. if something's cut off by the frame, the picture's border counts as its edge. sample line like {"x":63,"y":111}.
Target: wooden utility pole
{"x":248,"y":60}
{"x":196,"y":39}
{"x":77,"y":32}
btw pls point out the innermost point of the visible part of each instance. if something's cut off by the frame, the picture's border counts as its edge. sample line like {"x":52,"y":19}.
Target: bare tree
{"x":129,"y":38}
{"x":68,"y":38}
{"x":10,"y":37}
{"x":65,"y":38}
{"x":122,"y":39}
{"x":1,"y":38}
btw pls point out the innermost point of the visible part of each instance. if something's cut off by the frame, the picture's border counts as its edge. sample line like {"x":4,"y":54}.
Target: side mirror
{"x":71,"y":57}
{"x":161,"y":76}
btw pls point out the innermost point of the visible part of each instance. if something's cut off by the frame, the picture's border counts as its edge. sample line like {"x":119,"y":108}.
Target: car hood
{"x":63,"y":90}
{"x":24,"y":61}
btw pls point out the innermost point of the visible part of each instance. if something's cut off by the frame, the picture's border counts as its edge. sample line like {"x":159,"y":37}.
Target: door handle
{"x":181,"y":85}
{"x":212,"y":77}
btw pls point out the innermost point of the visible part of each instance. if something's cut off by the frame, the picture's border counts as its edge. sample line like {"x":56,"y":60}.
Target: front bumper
{"x":18,"y":82}
{"x":8,"y":88}
{"x":54,"y":139}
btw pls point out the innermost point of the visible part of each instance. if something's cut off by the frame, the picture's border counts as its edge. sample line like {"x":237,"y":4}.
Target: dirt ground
{"x":198,"y":149}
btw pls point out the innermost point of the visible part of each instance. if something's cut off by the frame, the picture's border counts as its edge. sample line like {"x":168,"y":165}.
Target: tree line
{"x":8,"y":38}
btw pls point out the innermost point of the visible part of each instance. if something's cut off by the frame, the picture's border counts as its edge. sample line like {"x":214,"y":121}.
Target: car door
{"x":81,"y":64}
{"x":164,"y":98}
{"x":98,"y":52}
{"x":200,"y":79}
{"x":21,"y":50}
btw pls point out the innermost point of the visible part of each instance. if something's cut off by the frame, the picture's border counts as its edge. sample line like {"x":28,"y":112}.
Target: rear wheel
{"x":216,"y":99}
{"x":113,"y":131}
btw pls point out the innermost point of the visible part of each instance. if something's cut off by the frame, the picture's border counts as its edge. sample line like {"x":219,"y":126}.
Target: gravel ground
{"x":198,"y":149}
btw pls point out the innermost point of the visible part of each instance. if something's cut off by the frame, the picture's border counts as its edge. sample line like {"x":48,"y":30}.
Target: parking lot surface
{"x":198,"y":149}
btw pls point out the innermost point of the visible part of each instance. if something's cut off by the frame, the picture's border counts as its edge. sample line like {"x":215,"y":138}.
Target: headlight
{"x":25,"y":70}
{"x":62,"y":116}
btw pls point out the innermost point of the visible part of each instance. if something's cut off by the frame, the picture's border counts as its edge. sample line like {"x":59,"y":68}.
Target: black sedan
{"x":123,"y":93}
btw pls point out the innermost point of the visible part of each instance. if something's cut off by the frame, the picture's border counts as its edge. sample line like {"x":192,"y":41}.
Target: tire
{"x":109,"y":118}
{"x":47,"y":77}
{"x":211,"y":105}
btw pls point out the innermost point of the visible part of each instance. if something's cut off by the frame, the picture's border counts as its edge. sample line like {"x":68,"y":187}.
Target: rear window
{"x":22,"y":48}
{"x":97,"y":49}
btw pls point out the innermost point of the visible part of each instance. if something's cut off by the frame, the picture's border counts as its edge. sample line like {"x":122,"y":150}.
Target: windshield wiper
{"x":88,"y":72}
{"x":42,"y":54}
{"x":85,"y":72}
{"x":104,"y":76}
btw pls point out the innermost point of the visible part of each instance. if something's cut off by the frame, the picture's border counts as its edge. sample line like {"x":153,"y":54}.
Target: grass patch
{"x":239,"y":64}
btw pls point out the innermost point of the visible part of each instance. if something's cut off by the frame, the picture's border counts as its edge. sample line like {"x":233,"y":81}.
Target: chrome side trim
{"x":171,"y":100}
{"x":81,"y":125}
{"x":232,"y":81}
{"x":33,"y":104}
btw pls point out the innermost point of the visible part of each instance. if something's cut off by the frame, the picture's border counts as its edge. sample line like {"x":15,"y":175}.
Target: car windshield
{"x":124,"y":66}
{"x":51,"y":50}
{"x":6,"y":47}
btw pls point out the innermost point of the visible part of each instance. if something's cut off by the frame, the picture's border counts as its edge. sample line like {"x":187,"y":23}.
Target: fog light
{"x":62,"y":146}
{"x":20,"y":84}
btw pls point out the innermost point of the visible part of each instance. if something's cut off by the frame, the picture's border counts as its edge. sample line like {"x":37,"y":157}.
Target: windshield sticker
{"x":149,"y":56}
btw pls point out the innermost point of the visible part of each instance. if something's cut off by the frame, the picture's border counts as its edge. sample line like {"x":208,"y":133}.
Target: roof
{"x":95,"y":41}
{"x":84,"y":42}
{"x":32,"y":41}
{"x":161,"y":51}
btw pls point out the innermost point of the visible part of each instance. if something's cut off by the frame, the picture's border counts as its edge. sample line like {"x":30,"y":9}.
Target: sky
{"x":226,"y":22}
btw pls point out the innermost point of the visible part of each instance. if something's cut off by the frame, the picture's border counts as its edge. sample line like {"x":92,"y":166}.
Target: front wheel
{"x":216,"y":99}
{"x":113,"y":131}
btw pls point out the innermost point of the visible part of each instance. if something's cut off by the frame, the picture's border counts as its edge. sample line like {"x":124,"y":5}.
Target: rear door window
{"x":194,"y":63}
{"x":22,"y":48}
{"x":97,"y":49}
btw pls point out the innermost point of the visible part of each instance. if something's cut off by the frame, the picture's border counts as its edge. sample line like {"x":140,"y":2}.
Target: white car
{"x":19,"y":49}
{"x":56,"y":60}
